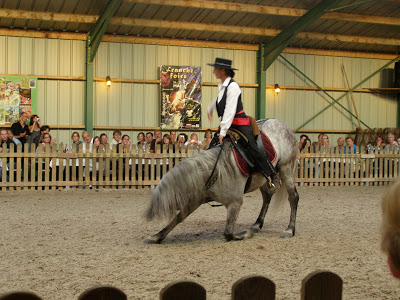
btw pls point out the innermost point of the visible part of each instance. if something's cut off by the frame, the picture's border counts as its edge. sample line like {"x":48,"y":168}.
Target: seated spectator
{"x":379,"y":143}
{"x":391,"y":228}
{"x":207,"y":139}
{"x":11,"y":137}
{"x":5,"y":147}
{"x":20,"y":129}
{"x":349,"y":145}
{"x":340,"y":146}
{"x":303,"y":137}
{"x":141,"y":143}
{"x":391,"y":143}
{"x":104,"y":140}
{"x":172,"y":135}
{"x":44,"y":140}
{"x":325,"y":141}
{"x":75,"y":141}
{"x":87,"y":141}
{"x":306,"y":146}
{"x":116,"y":138}
{"x":43,"y":129}
{"x":182,"y":139}
{"x":167,"y":141}
{"x":34,"y":128}
{"x":320,"y":141}
{"x":194,"y":140}
{"x":156,"y":141}
{"x":98,"y":146}
{"x":149,"y":138}
{"x":126,"y":144}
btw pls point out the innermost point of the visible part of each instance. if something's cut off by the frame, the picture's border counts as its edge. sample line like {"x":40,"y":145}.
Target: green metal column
{"x":92,"y":44}
{"x":261,"y":93}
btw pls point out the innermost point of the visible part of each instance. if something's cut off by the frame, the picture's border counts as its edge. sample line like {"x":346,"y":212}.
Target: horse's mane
{"x":184,"y":184}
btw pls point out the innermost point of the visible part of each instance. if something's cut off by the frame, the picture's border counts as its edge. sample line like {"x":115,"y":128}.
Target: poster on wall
{"x":180,"y":97}
{"x":16,"y":97}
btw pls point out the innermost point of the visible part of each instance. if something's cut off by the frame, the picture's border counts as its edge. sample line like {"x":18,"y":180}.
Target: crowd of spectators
{"x":344,"y":145}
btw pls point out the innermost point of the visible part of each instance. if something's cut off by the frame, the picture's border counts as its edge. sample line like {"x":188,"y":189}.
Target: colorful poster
{"x":180,"y":97}
{"x":16,"y":96}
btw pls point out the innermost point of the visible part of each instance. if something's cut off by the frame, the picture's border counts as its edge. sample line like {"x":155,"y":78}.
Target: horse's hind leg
{"x":287,"y":176}
{"x":160,"y":236}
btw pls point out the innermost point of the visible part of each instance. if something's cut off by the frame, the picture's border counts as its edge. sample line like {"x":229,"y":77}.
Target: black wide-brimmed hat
{"x":222,"y":63}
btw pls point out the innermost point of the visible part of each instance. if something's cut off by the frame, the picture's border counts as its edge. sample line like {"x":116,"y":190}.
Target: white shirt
{"x":232,"y":97}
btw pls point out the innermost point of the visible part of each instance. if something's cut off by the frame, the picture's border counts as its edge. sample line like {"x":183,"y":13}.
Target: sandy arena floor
{"x":60,"y":243}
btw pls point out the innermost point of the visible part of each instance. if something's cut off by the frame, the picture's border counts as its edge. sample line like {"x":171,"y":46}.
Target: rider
{"x":230,"y":108}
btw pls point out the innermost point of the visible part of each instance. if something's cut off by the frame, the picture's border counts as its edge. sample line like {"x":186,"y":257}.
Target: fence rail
{"x":319,"y":285}
{"x":53,"y":167}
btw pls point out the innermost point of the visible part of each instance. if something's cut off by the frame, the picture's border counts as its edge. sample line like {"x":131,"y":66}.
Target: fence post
{"x":321,"y":285}
{"x":20,"y":296}
{"x":103,"y":293}
{"x":253,"y":287}
{"x":183,"y":290}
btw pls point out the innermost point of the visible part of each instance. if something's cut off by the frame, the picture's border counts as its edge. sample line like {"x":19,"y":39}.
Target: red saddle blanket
{"x":242,"y":164}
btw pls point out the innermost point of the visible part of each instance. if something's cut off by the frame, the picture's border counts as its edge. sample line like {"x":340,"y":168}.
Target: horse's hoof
{"x":287,"y":234}
{"x":152,"y":240}
{"x":228,"y":237}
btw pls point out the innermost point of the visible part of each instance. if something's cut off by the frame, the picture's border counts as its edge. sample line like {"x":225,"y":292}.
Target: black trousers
{"x":252,"y":149}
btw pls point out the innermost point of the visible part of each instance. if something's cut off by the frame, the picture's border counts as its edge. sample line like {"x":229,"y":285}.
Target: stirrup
{"x":270,"y":183}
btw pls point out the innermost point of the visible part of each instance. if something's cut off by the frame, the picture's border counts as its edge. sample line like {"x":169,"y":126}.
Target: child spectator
{"x":172,"y":135}
{"x":75,"y":141}
{"x":350,"y":144}
{"x":340,"y":146}
{"x":207,"y":139}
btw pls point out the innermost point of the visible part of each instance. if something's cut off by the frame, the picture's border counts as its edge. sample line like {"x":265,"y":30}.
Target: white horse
{"x":182,"y":190}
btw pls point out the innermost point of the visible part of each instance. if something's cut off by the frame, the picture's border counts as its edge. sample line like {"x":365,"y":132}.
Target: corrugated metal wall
{"x":128,"y":104}
{"x":297,"y":107}
{"x":60,"y":102}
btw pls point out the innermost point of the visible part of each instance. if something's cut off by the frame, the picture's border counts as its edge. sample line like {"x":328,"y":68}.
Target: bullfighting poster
{"x":180,"y":97}
{"x":16,"y":97}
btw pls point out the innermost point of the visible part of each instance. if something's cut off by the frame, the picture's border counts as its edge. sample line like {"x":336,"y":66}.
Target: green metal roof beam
{"x":275,"y":47}
{"x":351,"y":90}
{"x":322,"y":90}
{"x":96,"y":34}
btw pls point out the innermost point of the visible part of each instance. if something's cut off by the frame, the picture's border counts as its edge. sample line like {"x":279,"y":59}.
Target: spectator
{"x":21,"y":130}
{"x":87,"y":141}
{"x":350,"y":144}
{"x":104,"y":140}
{"x":11,"y":137}
{"x":380,"y":143}
{"x":398,"y":141}
{"x":141,"y":141}
{"x":43,"y":129}
{"x":306,"y":146}
{"x":98,"y":146}
{"x":207,"y":139}
{"x":116,"y":138}
{"x":75,"y":141}
{"x":168,"y":142}
{"x":320,"y":140}
{"x":325,"y":141}
{"x":303,"y":137}
{"x":182,"y":139}
{"x":391,"y":142}
{"x":149,"y":137}
{"x":340,"y":146}
{"x":44,"y":140}
{"x":156,"y":141}
{"x":34,"y":128}
{"x":391,"y":228}
{"x":5,"y":142}
{"x":172,"y":135}
{"x":194,"y":140}
{"x":126,"y":144}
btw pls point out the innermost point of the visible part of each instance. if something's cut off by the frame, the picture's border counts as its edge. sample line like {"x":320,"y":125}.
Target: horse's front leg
{"x":160,"y":236}
{"x":232,"y":214}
